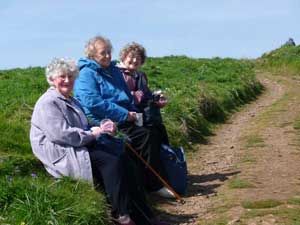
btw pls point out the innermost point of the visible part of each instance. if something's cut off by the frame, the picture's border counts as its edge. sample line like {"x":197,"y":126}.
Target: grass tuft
{"x":297,"y":124}
{"x":262,"y":204}
{"x":248,"y":159}
{"x":254,"y":141}
{"x":295,"y":200}
{"x":236,"y":183}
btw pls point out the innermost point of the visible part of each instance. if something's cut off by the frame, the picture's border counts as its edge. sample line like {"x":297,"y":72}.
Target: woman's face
{"x":132,"y":61}
{"x":102,"y":54}
{"x":64,"y":84}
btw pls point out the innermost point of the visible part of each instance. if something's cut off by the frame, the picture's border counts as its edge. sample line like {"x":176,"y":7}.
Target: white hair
{"x":60,"y":66}
{"x":90,"y":49}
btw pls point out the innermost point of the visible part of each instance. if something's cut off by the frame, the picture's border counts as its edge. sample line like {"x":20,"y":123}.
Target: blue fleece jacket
{"x":102,"y":92}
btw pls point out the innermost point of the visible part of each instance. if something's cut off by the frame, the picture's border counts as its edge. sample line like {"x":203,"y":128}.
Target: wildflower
{"x":34,"y":175}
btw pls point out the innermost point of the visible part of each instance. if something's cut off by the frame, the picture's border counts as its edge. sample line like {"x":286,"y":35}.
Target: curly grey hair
{"x":90,"y":49}
{"x":60,"y":66}
{"x":134,"y":48}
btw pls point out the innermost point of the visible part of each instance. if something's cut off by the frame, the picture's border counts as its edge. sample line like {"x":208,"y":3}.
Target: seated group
{"x":73,"y":136}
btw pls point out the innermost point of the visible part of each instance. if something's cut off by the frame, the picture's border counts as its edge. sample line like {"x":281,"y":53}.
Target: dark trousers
{"x":122,"y":183}
{"x":147,"y":141}
{"x":160,"y":127}
{"x":108,"y":173}
{"x":141,"y":212}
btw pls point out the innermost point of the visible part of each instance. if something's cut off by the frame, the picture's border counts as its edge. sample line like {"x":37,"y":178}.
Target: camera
{"x":155,"y":97}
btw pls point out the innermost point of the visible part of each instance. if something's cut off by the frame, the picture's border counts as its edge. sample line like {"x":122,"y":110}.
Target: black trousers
{"x":146,"y":141}
{"x":108,"y":173}
{"x":122,"y":184}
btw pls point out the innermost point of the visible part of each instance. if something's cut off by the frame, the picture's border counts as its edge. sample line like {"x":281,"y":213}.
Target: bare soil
{"x":258,"y":145}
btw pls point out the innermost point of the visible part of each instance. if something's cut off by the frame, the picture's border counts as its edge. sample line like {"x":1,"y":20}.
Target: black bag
{"x":174,"y":163}
{"x":152,"y":115}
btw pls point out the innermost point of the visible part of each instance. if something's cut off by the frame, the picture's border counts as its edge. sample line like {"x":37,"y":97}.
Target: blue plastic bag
{"x":174,"y":162}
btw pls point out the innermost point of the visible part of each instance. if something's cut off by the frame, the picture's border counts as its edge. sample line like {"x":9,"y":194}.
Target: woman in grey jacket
{"x":62,"y":139}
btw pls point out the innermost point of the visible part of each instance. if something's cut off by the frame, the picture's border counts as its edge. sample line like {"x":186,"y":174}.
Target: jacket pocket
{"x":60,"y":158}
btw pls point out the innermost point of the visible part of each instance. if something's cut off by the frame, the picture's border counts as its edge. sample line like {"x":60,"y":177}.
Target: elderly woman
{"x":103,"y":93}
{"x":132,"y":57}
{"x":62,"y":139}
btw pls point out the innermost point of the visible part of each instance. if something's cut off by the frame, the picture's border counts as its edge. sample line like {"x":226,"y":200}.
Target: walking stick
{"x":177,"y":196}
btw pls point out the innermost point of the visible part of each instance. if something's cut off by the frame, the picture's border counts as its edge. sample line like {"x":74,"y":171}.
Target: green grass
{"x":248,"y":159}
{"x":295,"y":200}
{"x":34,"y":200}
{"x":201,"y":93}
{"x":296,"y":124}
{"x":283,"y":215}
{"x":262,"y":204}
{"x":218,"y":221}
{"x":254,"y":141}
{"x":19,"y":89}
{"x":237,"y":183}
{"x":284,"y":60}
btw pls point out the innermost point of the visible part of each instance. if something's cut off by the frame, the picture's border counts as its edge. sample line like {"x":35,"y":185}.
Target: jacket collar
{"x":92,"y":64}
{"x":127,"y":72}
{"x":57,"y":94}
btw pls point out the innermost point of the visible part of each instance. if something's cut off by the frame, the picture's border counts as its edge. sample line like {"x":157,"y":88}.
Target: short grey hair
{"x":90,"y":49}
{"x":60,"y":66}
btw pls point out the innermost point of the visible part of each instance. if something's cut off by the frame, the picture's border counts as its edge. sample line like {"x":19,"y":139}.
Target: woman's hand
{"x":106,"y":126}
{"x":131,"y":117}
{"x":96,"y":131}
{"x":138,"y":95}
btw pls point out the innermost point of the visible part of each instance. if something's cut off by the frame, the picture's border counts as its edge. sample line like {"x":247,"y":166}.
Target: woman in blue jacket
{"x":103,"y":93}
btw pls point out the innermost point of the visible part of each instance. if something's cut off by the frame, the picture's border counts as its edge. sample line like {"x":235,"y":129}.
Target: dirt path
{"x":255,"y":156}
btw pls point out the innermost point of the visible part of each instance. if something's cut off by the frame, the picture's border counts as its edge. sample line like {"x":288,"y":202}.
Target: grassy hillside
{"x":285,"y":59}
{"x":201,"y":93}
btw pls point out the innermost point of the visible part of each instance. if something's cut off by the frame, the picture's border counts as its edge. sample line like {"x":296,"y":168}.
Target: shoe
{"x":124,"y":220}
{"x":165,"y":193}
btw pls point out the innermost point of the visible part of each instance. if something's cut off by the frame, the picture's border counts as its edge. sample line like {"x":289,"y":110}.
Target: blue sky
{"x":33,"y":32}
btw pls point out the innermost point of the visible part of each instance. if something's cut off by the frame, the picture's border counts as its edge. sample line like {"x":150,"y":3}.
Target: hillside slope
{"x":201,"y":92}
{"x":249,"y":172}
